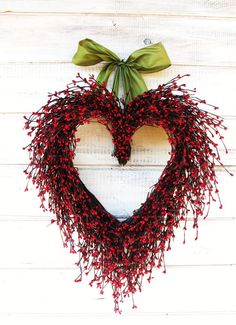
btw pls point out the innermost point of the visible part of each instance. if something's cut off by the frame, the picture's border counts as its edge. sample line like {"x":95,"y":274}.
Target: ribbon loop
{"x":152,"y":58}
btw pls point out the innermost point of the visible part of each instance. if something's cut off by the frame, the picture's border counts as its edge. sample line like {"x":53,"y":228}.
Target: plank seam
{"x":128,"y":167}
{"x":127,"y":314}
{"x":121,"y":14}
{"x":4,"y":115}
{"x":67,"y":61}
{"x":47,"y":218}
{"x":67,"y":269}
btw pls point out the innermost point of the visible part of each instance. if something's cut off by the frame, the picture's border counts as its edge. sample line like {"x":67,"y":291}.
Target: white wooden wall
{"x":38,"y":39}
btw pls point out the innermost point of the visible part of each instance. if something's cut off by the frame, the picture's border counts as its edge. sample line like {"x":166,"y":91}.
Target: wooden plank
{"x":120,"y":190}
{"x":36,"y":245}
{"x":167,"y":318}
{"x":196,"y":41}
{"x":220,"y":8}
{"x":36,"y":283}
{"x":30,"y":93}
{"x":150,"y":146}
{"x":206,"y":289}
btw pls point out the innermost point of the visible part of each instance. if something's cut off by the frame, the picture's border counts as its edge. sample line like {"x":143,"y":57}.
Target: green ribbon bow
{"x":149,"y":59}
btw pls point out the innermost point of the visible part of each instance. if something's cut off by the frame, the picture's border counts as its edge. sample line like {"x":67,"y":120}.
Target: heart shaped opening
{"x":121,"y":189}
{"x":121,"y":253}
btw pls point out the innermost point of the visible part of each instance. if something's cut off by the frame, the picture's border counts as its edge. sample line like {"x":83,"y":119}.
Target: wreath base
{"x":122,"y":253}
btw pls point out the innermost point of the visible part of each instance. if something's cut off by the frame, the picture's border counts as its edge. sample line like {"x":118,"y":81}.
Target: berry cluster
{"x":121,"y":253}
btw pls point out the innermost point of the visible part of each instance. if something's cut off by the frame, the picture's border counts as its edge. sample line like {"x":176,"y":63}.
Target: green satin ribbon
{"x":149,"y":59}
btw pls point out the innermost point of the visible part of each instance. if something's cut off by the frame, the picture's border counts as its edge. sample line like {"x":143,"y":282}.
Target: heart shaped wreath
{"x":121,"y":253}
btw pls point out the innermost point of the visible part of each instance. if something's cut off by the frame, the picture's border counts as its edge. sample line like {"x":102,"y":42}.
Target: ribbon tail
{"x":133,"y":83}
{"x":105,"y":73}
{"x":116,"y":81}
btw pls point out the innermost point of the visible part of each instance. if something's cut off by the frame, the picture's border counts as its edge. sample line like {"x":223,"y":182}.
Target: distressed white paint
{"x":53,"y":292}
{"x":196,"y":41}
{"x":49,"y":252}
{"x":121,"y":190}
{"x":218,"y":8}
{"x":38,"y":39}
{"x":150,"y":146}
{"x":30,"y":93}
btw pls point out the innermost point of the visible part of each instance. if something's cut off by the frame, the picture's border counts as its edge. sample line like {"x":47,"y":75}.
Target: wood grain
{"x":219,"y":8}
{"x":164,"y":318}
{"x":31,"y":252}
{"x":38,"y":40}
{"x":150,"y":145}
{"x":54,"y":292}
{"x":30,"y":93}
{"x":120,"y":190}
{"x":54,"y":38}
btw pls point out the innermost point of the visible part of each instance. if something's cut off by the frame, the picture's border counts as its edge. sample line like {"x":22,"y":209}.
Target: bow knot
{"x":122,"y":63}
{"x":149,"y":59}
